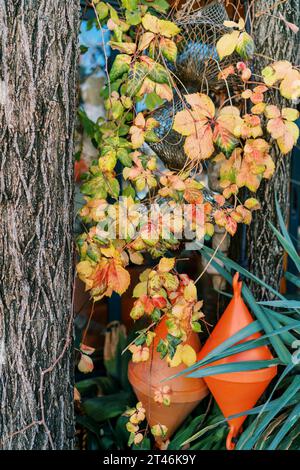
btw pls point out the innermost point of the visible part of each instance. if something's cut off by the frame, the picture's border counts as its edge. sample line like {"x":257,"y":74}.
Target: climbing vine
{"x":236,"y":132}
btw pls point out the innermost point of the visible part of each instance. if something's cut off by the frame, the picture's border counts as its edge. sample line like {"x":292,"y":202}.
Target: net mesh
{"x":170,"y":146}
{"x":198,"y":63}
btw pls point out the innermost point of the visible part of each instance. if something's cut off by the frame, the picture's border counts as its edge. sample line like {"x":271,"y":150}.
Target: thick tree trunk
{"x":38,"y":71}
{"x":273,"y":39}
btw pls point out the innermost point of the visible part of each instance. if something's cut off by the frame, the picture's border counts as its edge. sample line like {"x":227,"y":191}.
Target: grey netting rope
{"x":198,"y":63}
{"x":170,"y":147}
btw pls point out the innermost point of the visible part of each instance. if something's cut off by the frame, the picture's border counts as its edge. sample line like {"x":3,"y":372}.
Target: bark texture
{"x":38,"y":72}
{"x":272,"y":39}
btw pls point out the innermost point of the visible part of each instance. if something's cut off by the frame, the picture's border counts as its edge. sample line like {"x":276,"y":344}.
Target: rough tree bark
{"x":272,"y":39}
{"x":38,"y":71}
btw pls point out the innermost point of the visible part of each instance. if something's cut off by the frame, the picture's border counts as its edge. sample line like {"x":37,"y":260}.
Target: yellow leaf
{"x":201,"y":146}
{"x":176,"y":359}
{"x":136,"y":258}
{"x":118,"y":278}
{"x":151,"y":23}
{"x":184,"y":123}
{"x":140,"y":289}
{"x":145,"y":40}
{"x":287,"y":141}
{"x":157,"y":26}
{"x":166,"y":264}
{"x":290,"y":85}
{"x":201,"y":103}
{"x":84,"y":268}
{"x":188,"y":355}
{"x":164,"y":91}
{"x":290,"y":114}
{"x":85,"y":364}
{"x":227,"y":44}
{"x":190,"y":292}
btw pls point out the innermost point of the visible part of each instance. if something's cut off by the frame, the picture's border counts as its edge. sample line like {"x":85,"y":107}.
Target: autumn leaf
{"x":166,"y":264}
{"x":85,"y":364}
{"x":282,"y":128}
{"x":86,"y":349}
{"x":118,"y":278}
{"x":227,"y":44}
{"x":168,"y":49}
{"x":200,"y":146}
{"x":157,"y":26}
{"x":223,"y":136}
{"x":140,"y":289}
{"x":245,"y":46}
{"x":125,"y":47}
{"x":184,"y":354}
{"x":190,"y":292}
{"x":145,"y":41}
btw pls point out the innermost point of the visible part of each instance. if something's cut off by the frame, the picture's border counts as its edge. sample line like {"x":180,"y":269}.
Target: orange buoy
{"x":146,"y":378}
{"x":236,"y":392}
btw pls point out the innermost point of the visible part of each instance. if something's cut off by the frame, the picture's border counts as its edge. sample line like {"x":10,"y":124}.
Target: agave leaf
{"x":288,"y":246}
{"x":234,"y":367}
{"x":290,"y":304}
{"x":282,"y":401}
{"x":285,"y":428}
{"x":276,"y":342}
{"x":292,"y":278}
{"x":233,"y":265}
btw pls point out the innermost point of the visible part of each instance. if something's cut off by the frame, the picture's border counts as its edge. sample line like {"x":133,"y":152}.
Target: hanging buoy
{"x":237,"y":391}
{"x":146,"y":380}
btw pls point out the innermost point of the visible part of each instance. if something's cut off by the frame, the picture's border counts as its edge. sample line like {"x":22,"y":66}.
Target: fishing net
{"x":170,"y":146}
{"x":198,"y":63}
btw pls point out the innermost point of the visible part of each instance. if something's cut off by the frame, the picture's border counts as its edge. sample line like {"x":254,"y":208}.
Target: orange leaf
{"x":118,"y":279}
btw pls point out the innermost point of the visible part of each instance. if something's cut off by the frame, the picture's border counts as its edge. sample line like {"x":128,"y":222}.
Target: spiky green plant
{"x":275,"y":424}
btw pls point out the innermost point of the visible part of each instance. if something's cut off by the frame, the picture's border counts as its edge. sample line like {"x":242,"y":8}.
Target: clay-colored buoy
{"x":146,"y":377}
{"x":238,"y":391}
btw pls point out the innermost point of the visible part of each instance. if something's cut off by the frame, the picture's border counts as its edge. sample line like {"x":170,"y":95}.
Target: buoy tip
{"x":236,"y":284}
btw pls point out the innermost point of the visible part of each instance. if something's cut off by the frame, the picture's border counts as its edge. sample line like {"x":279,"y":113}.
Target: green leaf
{"x":286,"y":427}
{"x":88,"y":125}
{"x":113,"y":187}
{"x":133,"y":17}
{"x":245,"y":46}
{"x":95,"y":187}
{"x":129,"y":191}
{"x":152,"y":101}
{"x":130,"y":4}
{"x":285,"y":239}
{"x":102,"y":10}
{"x":278,"y":345}
{"x":182,"y":435}
{"x":293,"y":279}
{"x":124,"y":157}
{"x":289,"y":393}
{"x":158,"y":74}
{"x":290,"y":304}
{"x":105,"y":384}
{"x":120,"y":66}
{"x":144,"y":445}
{"x":102,"y":408}
{"x":233,"y":367}
{"x":162,"y":6}
{"x":83,"y":49}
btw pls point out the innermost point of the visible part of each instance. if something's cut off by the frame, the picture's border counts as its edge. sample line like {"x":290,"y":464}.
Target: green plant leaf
{"x":233,"y":367}
{"x":292,"y":278}
{"x":286,"y":427}
{"x":152,"y":101}
{"x":289,"y":393}
{"x":102,"y":408}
